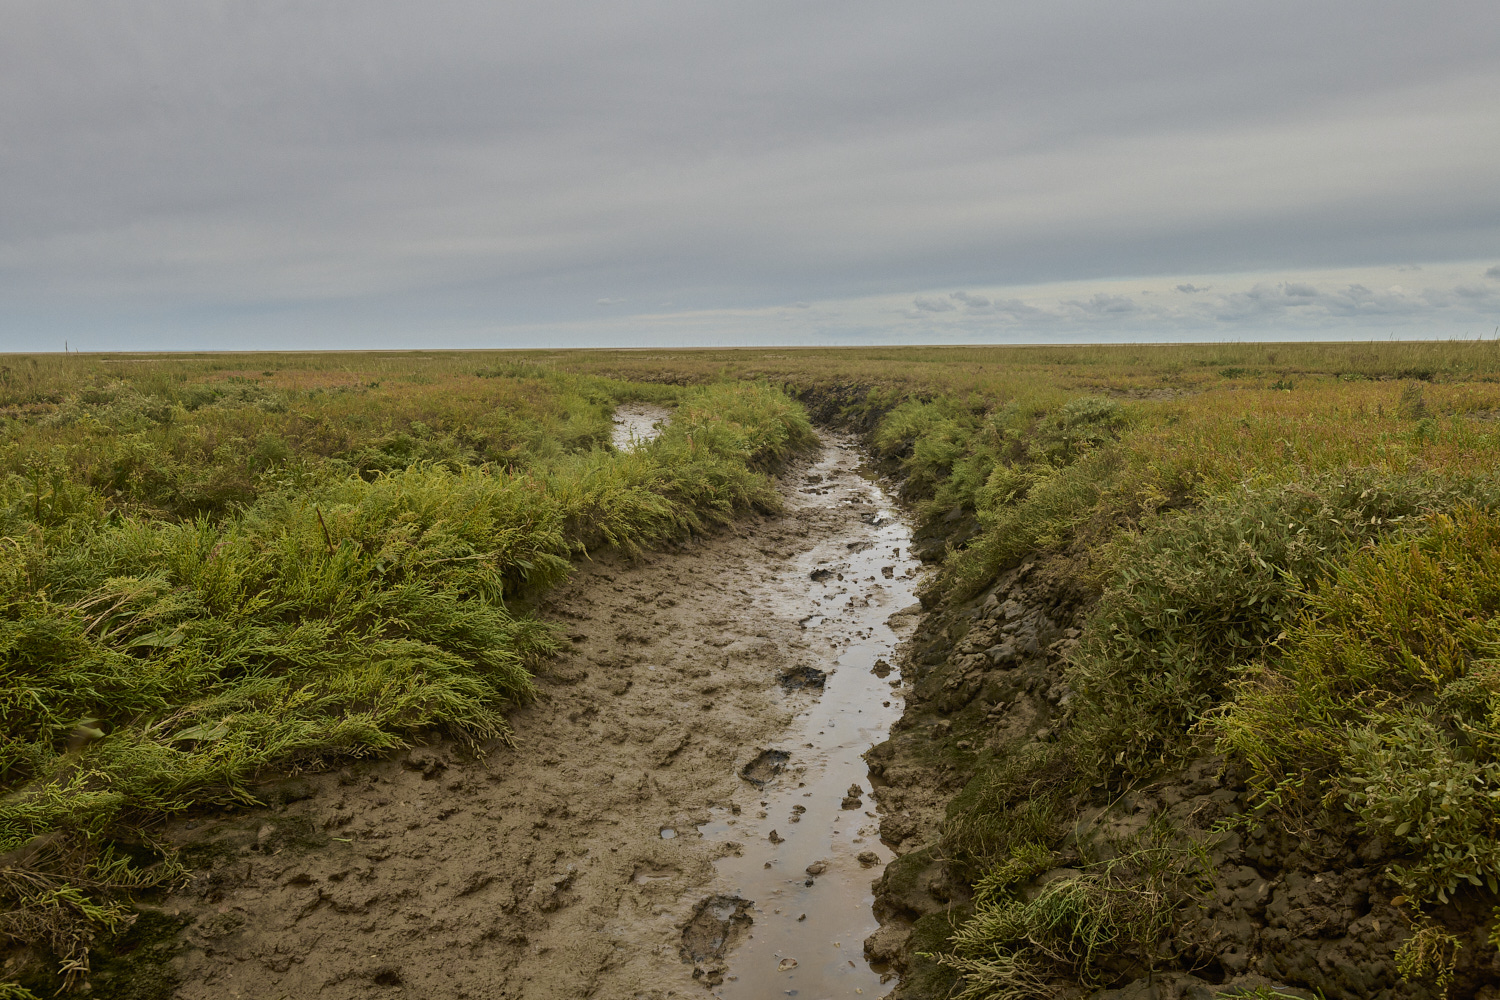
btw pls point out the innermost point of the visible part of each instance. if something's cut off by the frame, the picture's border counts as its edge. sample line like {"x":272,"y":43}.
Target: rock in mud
{"x":786,"y":964}
{"x":888,"y":944}
{"x":881,"y":669}
{"x":867,"y":859}
{"x":1003,"y":654}
{"x":766,"y":766}
{"x":774,"y":838}
{"x":800,"y":677}
{"x":716,"y":924}
{"x":817,"y":868}
{"x":852,"y":799}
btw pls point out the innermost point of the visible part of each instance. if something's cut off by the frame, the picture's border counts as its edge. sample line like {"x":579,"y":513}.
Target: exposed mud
{"x":616,"y":850}
{"x":637,"y":423}
{"x":810,"y":844}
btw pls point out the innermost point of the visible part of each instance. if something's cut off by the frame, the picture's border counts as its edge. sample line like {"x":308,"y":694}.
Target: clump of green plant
{"x":936,"y":441}
{"x":1431,"y":955}
{"x":1385,"y":693}
{"x":1028,"y":475}
{"x":1078,"y":427}
{"x":1109,"y":921}
{"x":1413,"y":403}
{"x":1012,"y":801}
{"x":1204,"y":592}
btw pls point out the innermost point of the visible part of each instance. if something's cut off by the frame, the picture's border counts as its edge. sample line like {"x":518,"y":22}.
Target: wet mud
{"x":809,"y":833}
{"x":637,"y":423}
{"x":643,"y":837}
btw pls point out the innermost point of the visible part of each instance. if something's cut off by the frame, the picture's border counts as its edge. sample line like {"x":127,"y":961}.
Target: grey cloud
{"x":279,"y":173}
{"x":1106,"y":304}
{"x":1256,"y":309}
{"x":1191,"y":289}
{"x":927,"y":303}
{"x":1493,"y":272}
{"x":1017,"y":311}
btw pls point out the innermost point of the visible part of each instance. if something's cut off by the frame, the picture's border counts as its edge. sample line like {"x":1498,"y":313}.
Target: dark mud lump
{"x":764,"y":767}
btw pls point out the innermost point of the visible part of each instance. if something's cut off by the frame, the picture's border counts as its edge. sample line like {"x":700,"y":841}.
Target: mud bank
{"x":1296,"y":910}
{"x":685,"y":789}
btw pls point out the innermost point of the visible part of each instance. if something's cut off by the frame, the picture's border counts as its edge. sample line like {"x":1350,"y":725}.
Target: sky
{"x":271,"y":174}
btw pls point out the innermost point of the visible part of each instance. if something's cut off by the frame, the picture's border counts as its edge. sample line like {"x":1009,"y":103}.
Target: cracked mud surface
{"x":569,"y":864}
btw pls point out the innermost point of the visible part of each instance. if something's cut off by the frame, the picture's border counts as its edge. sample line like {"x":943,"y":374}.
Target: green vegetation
{"x":204,"y":581}
{"x":215,"y":565}
{"x":1386,"y":691}
{"x":1305,"y":582}
{"x":1116,"y":914}
{"x":1292,"y":549}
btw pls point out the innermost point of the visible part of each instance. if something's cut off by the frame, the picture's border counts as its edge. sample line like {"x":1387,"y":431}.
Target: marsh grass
{"x":1112,"y":918}
{"x":1290,"y":546}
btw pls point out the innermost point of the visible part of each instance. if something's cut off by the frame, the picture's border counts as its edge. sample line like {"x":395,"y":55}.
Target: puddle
{"x":807,"y":823}
{"x":637,"y":423}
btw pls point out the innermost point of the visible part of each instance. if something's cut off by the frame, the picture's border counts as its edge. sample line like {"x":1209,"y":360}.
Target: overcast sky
{"x":273,"y":174}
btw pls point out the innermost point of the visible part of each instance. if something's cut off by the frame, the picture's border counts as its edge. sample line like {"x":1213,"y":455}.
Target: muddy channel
{"x":684,"y":811}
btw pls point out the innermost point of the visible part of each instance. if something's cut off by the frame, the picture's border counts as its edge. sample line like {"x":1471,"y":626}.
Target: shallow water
{"x":809,"y":929}
{"x":637,"y":423}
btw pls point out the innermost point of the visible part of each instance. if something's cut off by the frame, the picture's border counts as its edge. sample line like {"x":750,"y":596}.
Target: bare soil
{"x":580,"y":861}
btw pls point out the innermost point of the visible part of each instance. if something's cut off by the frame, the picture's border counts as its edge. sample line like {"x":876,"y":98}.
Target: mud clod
{"x":766,"y":766}
{"x":716,"y":924}
{"x":430,"y":762}
{"x":801,"y":677}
